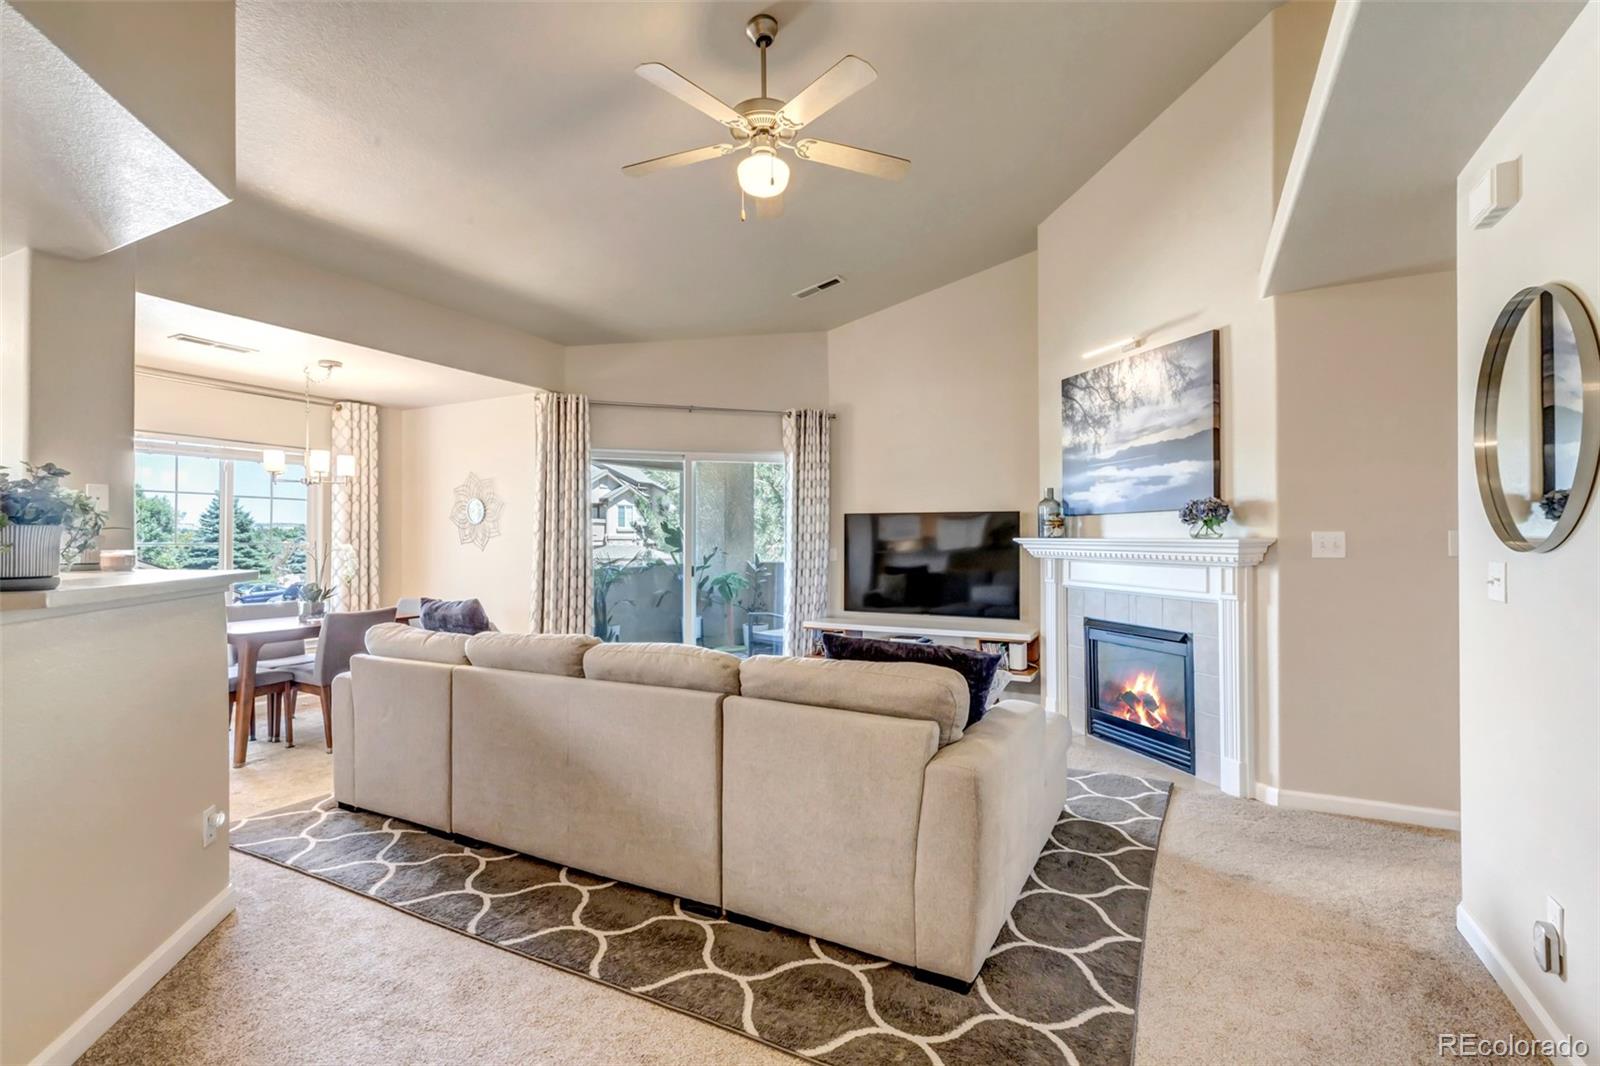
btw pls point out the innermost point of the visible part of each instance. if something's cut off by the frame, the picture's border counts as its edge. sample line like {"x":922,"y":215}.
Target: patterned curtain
{"x":563,"y":596}
{"x":805,"y":448}
{"x":355,"y":508}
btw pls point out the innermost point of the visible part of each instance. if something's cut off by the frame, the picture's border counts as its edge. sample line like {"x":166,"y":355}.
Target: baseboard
{"x":1353,"y":807}
{"x":93,"y":1023}
{"x":1517,"y":991}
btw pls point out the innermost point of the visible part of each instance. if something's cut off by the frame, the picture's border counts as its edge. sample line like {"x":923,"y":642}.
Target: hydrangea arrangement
{"x":1204,"y":517}
{"x":1554,"y":504}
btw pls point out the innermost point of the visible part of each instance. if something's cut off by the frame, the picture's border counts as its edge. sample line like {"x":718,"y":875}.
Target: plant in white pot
{"x":317,"y":590}
{"x":43,"y":526}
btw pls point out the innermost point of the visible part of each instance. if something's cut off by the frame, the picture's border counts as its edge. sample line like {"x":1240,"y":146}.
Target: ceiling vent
{"x":207,"y":342}
{"x":812,"y":290}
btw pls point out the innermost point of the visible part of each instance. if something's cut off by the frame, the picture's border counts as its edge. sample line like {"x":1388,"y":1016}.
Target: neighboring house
{"x":616,"y":492}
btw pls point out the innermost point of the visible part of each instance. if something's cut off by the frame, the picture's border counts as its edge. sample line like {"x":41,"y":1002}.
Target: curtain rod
{"x":231,"y":386}
{"x":691,"y":408}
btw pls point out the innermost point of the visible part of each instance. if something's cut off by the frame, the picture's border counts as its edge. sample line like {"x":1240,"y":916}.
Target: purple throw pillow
{"x":977,"y":668}
{"x":454,"y":616}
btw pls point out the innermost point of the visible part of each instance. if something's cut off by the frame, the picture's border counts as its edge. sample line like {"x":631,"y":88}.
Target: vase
{"x":1206,"y":530}
{"x":313,"y":610}
{"x":1052,"y":523}
{"x":30,"y":556}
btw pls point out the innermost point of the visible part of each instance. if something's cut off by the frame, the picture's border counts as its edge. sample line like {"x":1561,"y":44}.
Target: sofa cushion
{"x":900,"y":690}
{"x":395,"y":641}
{"x":534,"y":653}
{"x":977,"y":667}
{"x":667,"y":665}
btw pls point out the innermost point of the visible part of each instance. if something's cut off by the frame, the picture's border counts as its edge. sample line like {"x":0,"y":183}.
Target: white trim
{"x":1356,"y":807}
{"x":1219,"y":571}
{"x":1527,"y":1004}
{"x":93,"y":1023}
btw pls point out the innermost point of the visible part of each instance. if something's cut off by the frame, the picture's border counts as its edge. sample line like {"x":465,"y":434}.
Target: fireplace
{"x":1140,"y":689}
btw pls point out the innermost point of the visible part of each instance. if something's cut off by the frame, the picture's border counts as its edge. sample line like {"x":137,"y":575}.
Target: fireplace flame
{"x":1141,"y":702}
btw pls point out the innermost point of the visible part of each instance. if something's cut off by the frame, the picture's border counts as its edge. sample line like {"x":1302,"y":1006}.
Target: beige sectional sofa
{"x":839,"y":799}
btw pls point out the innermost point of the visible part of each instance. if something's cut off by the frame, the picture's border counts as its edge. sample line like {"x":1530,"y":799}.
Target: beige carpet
{"x":1274,"y":937}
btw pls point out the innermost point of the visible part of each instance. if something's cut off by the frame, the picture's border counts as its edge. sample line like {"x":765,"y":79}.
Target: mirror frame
{"x":1487,"y":409}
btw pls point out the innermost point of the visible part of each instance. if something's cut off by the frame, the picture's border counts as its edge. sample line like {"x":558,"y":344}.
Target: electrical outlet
{"x":211,"y":820}
{"x":1327,"y":545}
{"x":1495,"y":582}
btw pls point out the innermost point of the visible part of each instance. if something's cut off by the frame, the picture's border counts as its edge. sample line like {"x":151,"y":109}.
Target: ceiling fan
{"x":762,"y":126}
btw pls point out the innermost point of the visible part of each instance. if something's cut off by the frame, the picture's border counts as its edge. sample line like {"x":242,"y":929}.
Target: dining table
{"x":247,"y":637}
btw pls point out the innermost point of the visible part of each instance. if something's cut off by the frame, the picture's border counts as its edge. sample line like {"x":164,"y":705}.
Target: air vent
{"x":207,"y":342}
{"x":812,"y":290}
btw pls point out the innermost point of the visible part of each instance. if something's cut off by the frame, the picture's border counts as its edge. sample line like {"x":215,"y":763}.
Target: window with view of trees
{"x":210,"y":512}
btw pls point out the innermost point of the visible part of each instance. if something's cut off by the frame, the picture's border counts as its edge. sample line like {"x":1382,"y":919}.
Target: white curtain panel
{"x":563,"y":584}
{"x":355,"y":508}
{"x":805,"y":449}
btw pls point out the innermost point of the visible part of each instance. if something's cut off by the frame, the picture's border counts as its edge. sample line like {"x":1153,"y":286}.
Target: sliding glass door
{"x":710,"y":524}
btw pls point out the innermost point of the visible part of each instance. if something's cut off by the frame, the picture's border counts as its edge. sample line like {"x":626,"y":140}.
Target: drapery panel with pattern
{"x":355,"y":508}
{"x":562,"y":599}
{"x":805,"y":451}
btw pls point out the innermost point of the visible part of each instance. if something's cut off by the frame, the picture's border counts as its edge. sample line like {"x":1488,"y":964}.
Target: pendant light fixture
{"x":322,"y":467}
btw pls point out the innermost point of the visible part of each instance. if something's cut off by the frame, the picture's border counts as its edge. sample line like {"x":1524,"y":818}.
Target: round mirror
{"x":1537,"y":417}
{"x":475,"y":511}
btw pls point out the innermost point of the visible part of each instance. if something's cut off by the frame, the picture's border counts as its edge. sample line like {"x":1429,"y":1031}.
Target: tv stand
{"x":1021,"y":638}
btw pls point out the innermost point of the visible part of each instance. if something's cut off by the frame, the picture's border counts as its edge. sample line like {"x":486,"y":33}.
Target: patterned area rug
{"x":1060,"y":985}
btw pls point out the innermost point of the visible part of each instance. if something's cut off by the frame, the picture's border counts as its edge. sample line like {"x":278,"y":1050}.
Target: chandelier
{"x":322,"y":467}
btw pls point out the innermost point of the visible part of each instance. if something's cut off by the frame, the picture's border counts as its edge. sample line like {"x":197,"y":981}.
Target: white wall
{"x":935,"y":398}
{"x":1530,"y":794}
{"x":773,"y":372}
{"x":436,"y":448}
{"x":204,"y":264}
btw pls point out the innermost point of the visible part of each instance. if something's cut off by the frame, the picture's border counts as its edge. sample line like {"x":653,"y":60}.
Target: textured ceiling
{"x":470,"y":153}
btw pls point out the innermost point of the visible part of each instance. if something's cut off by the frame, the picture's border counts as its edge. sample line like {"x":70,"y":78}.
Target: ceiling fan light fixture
{"x":763,"y":175}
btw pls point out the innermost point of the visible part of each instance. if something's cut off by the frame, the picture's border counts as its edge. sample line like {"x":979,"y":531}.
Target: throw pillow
{"x":975,"y":667}
{"x":454,"y":616}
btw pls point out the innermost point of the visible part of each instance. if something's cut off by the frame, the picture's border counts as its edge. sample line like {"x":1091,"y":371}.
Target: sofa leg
{"x":939,"y":980}
{"x":704,"y":910}
{"x":468,"y":842}
{"x":746,"y":920}
{"x":352,"y":808}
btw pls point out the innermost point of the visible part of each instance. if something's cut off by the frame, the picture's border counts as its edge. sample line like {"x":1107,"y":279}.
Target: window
{"x":712,"y":524}
{"x":203,"y":505}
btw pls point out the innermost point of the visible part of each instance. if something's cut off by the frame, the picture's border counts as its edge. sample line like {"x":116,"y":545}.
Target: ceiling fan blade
{"x":841,"y":81}
{"x":664,"y":77}
{"x":859,"y":160}
{"x":679,"y":159}
{"x":770,"y":207}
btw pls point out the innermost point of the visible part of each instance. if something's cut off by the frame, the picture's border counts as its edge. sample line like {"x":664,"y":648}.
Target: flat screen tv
{"x":958,"y":563}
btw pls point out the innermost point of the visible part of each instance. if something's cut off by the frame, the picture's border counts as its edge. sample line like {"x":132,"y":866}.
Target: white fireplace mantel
{"x":1215,"y":570}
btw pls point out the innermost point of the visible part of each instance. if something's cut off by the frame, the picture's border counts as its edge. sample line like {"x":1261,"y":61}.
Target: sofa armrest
{"x":976,"y":838}
{"x":344,"y":740}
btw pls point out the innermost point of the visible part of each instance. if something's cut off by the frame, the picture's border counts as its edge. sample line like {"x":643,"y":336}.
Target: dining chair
{"x":344,"y":634}
{"x":284,"y":653}
{"x":273,"y":684}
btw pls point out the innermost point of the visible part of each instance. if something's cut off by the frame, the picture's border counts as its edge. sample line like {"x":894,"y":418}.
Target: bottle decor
{"x":1205,"y":517}
{"x":1052,"y":523}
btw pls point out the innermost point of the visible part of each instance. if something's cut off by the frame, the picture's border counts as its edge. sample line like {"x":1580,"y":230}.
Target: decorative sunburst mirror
{"x":476,"y":511}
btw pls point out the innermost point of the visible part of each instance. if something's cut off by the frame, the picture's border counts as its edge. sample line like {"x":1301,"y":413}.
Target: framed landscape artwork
{"x":1142,"y":433}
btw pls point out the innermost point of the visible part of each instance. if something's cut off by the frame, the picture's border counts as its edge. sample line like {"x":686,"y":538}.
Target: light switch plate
{"x":1327,"y":545}
{"x":1495,"y":582}
{"x":100,"y":494}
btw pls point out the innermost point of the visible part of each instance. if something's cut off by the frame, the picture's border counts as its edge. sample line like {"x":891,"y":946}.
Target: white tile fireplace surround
{"x":1200,"y":587}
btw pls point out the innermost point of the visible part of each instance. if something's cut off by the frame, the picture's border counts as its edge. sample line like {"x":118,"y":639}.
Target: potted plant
{"x":756,"y":573}
{"x":316,"y":590}
{"x":43,"y":526}
{"x":1204,"y":517}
